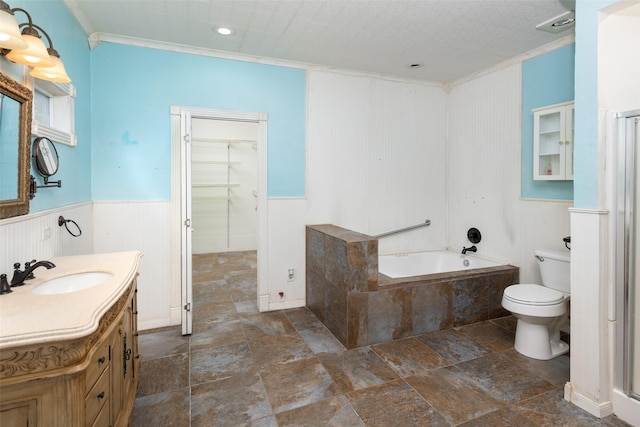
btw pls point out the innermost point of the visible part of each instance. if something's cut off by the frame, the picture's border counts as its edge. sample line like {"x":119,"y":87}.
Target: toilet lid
{"x":533,"y":295}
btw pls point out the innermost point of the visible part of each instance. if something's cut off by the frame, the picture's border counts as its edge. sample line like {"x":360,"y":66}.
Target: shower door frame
{"x":625,"y":399}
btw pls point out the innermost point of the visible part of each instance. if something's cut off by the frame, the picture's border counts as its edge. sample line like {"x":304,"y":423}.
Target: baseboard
{"x":145,"y":325}
{"x":286,"y":304}
{"x":599,"y":410}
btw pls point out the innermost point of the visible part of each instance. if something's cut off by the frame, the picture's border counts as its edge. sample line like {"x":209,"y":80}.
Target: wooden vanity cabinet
{"x":89,"y":382}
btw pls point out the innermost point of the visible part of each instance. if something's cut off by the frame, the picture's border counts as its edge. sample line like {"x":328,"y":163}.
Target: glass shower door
{"x":627,"y":268}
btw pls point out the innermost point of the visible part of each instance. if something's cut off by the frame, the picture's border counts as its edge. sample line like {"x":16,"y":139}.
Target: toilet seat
{"x":533,"y":295}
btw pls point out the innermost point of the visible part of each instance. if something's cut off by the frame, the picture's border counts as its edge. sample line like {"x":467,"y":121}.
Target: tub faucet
{"x":469,"y":249}
{"x":20,"y":276}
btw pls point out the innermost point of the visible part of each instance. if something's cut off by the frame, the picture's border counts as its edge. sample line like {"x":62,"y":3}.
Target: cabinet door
{"x":553,"y":132}
{"x":548,"y":144}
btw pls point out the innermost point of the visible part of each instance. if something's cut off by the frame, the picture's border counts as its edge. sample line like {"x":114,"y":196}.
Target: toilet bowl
{"x":541,"y":310}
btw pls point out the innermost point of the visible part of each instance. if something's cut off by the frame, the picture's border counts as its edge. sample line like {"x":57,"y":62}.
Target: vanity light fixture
{"x":57,"y":73}
{"x":10,"y":37}
{"x":33,"y":52}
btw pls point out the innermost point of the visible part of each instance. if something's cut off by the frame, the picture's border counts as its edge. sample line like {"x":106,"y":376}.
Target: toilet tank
{"x":554,"y":269}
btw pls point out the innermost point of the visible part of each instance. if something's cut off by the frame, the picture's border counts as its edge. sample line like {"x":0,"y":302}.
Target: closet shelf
{"x":215,"y":199}
{"x":223,"y":141}
{"x":215,"y":162}
{"x":215,"y":185}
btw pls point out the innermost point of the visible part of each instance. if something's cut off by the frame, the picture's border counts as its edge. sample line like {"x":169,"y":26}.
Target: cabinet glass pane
{"x":550,"y":123}
{"x":549,"y":165}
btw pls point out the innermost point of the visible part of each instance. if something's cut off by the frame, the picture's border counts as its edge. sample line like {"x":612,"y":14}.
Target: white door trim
{"x":177,"y":192}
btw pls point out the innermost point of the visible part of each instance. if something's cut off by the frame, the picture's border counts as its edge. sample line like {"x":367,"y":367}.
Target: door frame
{"x":181,"y":198}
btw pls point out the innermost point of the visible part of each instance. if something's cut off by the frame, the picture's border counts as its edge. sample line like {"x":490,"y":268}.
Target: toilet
{"x":541,"y":310}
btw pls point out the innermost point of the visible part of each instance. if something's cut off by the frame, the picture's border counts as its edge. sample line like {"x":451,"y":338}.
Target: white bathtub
{"x":422,"y":263}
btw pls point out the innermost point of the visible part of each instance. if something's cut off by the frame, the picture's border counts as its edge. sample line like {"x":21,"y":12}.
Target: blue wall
{"x":133,"y":89}
{"x":586,"y":115}
{"x":546,"y":80}
{"x":71,"y":43}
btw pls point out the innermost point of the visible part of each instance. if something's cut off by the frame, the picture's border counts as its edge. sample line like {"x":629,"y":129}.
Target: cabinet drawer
{"x":99,"y":361}
{"x":103,"y":418}
{"x":97,"y":397}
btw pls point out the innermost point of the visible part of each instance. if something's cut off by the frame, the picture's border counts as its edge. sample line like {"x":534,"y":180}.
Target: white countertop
{"x":27,"y":318}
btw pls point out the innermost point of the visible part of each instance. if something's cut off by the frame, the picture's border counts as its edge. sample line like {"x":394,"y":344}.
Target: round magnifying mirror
{"x":46,"y":156}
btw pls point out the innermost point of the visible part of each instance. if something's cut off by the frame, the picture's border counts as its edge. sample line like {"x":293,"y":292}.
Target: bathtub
{"x":433,"y":262}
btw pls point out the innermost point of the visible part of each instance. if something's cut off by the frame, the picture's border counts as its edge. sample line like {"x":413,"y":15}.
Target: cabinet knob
{"x":101,"y":395}
{"x":101,"y":360}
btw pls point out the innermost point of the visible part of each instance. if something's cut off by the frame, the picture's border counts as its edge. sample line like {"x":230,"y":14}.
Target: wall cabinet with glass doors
{"x":553,"y":130}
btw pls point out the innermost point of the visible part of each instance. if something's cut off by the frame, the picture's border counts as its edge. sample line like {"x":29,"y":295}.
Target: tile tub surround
{"x":362,"y":307}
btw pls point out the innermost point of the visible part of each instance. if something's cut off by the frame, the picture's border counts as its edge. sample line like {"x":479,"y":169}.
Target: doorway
{"x":224,"y":185}
{"x":218,"y":140}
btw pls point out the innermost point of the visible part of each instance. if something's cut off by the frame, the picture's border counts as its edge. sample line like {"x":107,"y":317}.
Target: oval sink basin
{"x":71,"y":283}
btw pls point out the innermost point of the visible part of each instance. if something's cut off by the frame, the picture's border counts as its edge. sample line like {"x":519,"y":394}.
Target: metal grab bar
{"x":400,"y":230}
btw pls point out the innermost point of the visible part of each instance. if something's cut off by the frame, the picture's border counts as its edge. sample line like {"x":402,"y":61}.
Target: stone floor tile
{"x":506,"y":417}
{"x":217,"y":334}
{"x":246,"y":308}
{"x":272,"y":350}
{"x":356,"y":368}
{"x":303,"y":318}
{"x":220,"y":362}
{"x":169,"y":408}
{"x":231,"y":401}
{"x":163,"y":374}
{"x":214,"y":312}
{"x":550,"y":410}
{"x":266,"y":324}
{"x":409,"y":356}
{"x":452,"y":346}
{"x":325,"y":413}
{"x":554,"y":371}
{"x":454,"y":394}
{"x":269,"y":421}
{"x":507,"y":322}
{"x":320,"y":340}
{"x":166,"y":342}
{"x":488,"y":336}
{"x":298,"y":384}
{"x":504,"y":379}
{"x":394,"y":404}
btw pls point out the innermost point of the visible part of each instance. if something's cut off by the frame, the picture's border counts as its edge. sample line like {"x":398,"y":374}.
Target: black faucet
{"x":470,"y":249}
{"x":20,"y":276}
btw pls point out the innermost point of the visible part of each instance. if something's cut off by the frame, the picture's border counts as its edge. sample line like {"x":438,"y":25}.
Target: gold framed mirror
{"x":15,"y":137}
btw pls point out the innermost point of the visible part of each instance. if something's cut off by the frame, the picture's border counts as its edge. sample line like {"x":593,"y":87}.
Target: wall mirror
{"x":15,"y":136}
{"x":46,"y":156}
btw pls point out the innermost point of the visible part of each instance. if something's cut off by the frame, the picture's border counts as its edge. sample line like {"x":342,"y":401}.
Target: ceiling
{"x":451,"y":38}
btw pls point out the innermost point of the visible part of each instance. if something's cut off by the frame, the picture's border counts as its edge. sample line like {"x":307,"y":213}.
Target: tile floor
{"x":244,"y":368}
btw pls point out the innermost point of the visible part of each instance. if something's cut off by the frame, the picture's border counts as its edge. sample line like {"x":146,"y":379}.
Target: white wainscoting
{"x":590,"y":383}
{"x":22,"y":238}
{"x":144,"y":226}
{"x":376,"y":157}
{"x":484,"y":176}
{"x":286,"y":249}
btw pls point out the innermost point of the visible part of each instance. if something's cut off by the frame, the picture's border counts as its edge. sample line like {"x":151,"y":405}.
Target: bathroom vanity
{"x":69,"y":357}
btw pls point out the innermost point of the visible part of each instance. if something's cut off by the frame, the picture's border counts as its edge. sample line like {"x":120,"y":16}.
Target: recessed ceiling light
{"x":563,"y":22}
{"x":559,"y":23}
{"x":224,"y":31}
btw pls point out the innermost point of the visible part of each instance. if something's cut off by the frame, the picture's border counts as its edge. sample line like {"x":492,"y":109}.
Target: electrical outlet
{"x":290,"y":274}
{"x":46,"y":233}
